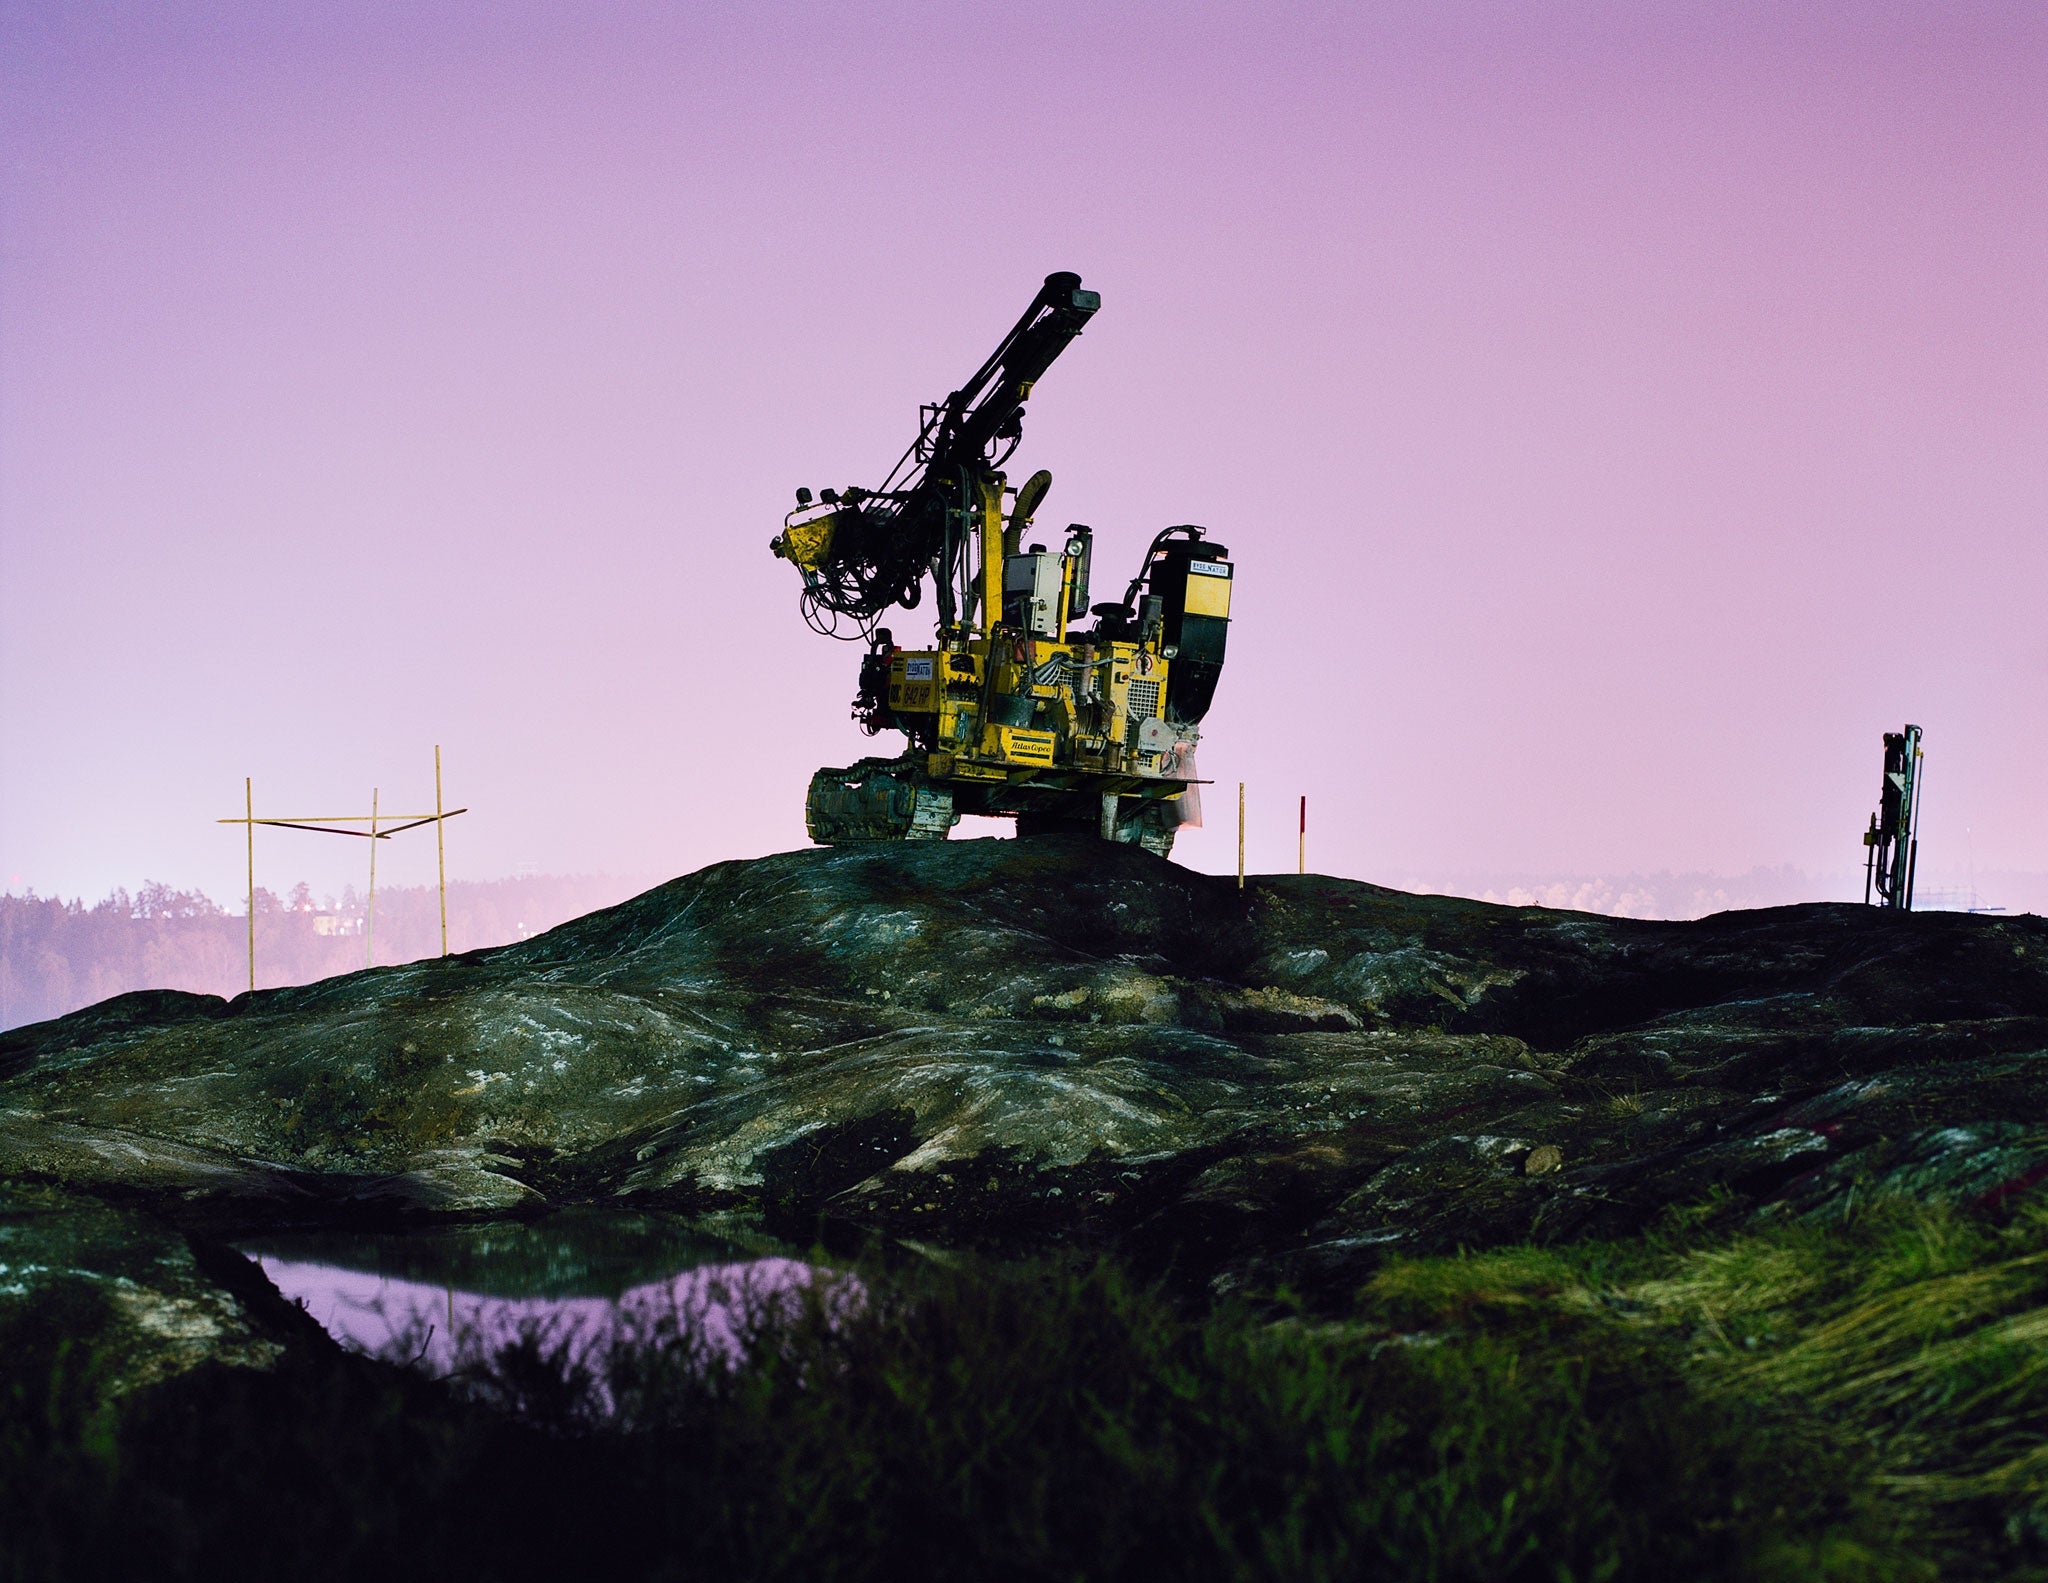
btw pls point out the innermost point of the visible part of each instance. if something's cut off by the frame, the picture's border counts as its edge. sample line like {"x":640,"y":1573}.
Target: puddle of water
{"x":449,"y":1295}
{"x":572,"y":1253}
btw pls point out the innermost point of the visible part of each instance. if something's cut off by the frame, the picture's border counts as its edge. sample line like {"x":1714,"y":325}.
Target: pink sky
{"x":1618,"y":423}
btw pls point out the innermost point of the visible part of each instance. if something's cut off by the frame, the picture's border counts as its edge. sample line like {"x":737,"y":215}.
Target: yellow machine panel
{"x":913,"y":683}
{"x":1024,"y":747}
{"x":1208,"y":588}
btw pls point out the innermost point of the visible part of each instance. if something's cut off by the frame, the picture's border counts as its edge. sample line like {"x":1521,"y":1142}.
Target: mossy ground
{"x":1861,"y":1400}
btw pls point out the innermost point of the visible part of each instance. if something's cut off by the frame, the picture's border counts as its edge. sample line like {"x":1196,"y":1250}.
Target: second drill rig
{"x":1892,"y":845}
{"x":1017,"y":709}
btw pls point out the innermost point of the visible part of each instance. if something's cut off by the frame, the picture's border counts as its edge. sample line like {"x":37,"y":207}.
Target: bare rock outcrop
{"x":1011,"y":1043}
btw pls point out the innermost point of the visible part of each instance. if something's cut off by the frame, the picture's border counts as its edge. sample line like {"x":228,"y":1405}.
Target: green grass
{"x":1921,"y":1334}
{"x":1857,"y":1401}
{"x":1909,"y":1344}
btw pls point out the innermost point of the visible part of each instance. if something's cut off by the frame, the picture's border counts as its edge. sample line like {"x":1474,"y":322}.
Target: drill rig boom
{"x":863,"y":551}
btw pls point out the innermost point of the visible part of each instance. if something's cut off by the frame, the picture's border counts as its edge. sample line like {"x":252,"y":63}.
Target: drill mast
{"x":1892,"y":848}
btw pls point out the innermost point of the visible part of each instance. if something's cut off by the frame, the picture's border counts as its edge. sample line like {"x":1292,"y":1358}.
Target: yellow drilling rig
{"x":1017,"y":709}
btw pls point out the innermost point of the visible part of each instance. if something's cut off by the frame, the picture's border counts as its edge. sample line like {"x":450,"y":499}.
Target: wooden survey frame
{"x":330,"y":824}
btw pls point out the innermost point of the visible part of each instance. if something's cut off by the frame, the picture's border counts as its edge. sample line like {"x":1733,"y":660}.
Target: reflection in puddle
{"x":453,"y":1296}
{"x":443,"y":1326}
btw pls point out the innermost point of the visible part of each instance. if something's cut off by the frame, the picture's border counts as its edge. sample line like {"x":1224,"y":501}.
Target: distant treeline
{"x":56,"y":956}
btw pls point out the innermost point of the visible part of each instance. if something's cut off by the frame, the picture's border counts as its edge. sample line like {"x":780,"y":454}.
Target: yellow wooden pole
{"x":1240,"y":835}
{"x":441,"y":853}
{"x":370,"y":910}
{"x":249,"y":807}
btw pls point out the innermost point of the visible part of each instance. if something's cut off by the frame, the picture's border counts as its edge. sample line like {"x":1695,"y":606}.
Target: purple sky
{"x":1620,"y":414}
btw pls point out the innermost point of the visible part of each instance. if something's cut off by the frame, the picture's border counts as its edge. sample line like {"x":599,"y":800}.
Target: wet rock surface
{"x":1011,"y":1044}
{"x":131,"y":1300}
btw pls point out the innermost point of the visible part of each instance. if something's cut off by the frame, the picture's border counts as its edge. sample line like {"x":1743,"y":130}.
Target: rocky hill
{"x":1005,"y":1044}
